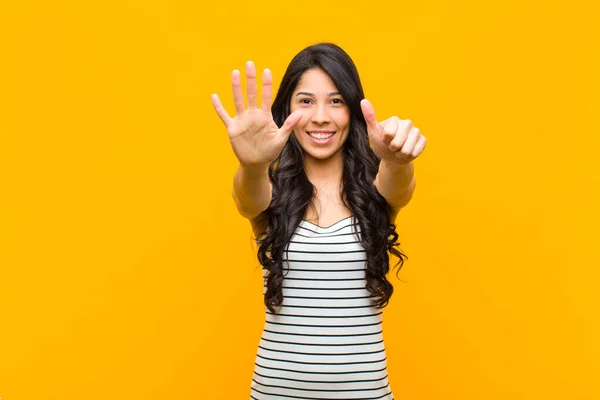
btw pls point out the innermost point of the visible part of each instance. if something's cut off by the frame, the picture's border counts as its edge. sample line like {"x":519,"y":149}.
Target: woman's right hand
{"x":255,"y":138}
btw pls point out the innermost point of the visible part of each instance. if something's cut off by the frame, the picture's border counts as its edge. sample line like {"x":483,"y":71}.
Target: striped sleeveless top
{"x":326,"y":341}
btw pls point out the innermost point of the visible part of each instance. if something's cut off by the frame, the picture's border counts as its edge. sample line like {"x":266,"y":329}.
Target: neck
{"x":324,"y":173}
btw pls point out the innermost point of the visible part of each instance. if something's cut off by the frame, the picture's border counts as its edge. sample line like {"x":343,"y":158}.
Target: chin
{"x":322,"y":155}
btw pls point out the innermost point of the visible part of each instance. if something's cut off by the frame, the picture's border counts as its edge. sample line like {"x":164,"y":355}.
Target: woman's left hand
{"x":394,"y":140}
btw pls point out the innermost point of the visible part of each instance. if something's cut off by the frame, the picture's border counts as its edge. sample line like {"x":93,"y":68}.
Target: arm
{"x":397,"y":143}
{"x":252,"y":190}
{"x":256,"y":141}
{"x":396,"y":183}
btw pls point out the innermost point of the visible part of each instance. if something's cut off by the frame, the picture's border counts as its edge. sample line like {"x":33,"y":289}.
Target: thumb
{"x":290,"y":123}
{"x":369,"y":114}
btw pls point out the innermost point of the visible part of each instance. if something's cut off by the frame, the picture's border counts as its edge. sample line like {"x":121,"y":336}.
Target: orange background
{"x":126,"y":272}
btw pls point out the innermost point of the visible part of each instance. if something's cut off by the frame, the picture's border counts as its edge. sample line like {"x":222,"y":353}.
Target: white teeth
{"x":321,"y":135}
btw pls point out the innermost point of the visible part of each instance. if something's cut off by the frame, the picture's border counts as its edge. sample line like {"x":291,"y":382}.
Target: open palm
{"x":255,"y":137}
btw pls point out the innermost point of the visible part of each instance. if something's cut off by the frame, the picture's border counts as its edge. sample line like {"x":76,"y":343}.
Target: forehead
{"x":316,"y":80}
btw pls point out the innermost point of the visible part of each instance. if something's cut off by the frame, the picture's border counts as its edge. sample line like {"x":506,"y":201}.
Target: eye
{"x":337,"y":101}
{"x":304,"y":101}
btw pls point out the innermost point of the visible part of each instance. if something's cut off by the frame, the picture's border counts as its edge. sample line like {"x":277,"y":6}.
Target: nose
{"x":320,"y":115}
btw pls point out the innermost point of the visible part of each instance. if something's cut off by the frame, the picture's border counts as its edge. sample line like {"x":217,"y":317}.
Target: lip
{"x":321,"y":141}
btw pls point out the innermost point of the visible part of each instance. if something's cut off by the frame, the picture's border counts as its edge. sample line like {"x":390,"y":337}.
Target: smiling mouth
{"x":321,"y":135}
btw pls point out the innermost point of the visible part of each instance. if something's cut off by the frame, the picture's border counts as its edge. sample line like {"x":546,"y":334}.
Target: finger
{"x":390,"y":132}
{"x":290,"y":123}
{"x":400,"y":136}
{"x":409,"y":144}
{"x":251,"y":87}
{"x":267,"y":90}
{"x":420,"y":146}
{"x":220,"y":110}
{"x":369,"y":114}
{"x":238,"y":96}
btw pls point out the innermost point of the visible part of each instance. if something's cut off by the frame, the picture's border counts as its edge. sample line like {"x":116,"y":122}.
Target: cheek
{"x":304,"y":120}
{"x":343,"y":119}
{"x":300,"y":127}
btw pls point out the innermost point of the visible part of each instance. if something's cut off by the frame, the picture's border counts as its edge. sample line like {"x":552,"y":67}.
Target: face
{"x":325,"y":122}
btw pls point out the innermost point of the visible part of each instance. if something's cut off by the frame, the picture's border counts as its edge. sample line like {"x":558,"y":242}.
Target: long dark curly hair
{"x":293,"y":192}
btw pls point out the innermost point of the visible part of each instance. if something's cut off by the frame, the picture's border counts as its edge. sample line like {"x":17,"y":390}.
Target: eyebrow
{"x":311,"y":94}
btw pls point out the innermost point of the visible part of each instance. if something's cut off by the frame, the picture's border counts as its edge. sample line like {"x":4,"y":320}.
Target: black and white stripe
{"x":326,"y":341}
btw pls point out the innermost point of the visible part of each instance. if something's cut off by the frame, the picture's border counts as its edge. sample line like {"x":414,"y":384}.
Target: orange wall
{"x":126,"y":272}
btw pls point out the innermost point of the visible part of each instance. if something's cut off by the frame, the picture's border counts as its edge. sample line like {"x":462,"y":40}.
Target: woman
{"x":321,"y":182}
